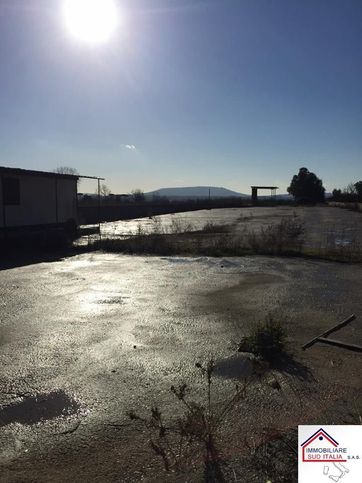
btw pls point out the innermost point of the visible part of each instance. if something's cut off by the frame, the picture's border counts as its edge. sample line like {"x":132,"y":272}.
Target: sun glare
{"x":91,"y":21}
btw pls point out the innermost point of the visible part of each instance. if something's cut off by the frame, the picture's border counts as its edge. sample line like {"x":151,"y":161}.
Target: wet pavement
{"x":85,"y":339}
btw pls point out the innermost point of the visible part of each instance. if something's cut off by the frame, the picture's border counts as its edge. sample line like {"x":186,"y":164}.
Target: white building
{"x":36,"y":199}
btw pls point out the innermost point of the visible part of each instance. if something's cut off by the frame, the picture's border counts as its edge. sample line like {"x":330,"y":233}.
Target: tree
{"x":306,"y":187}
{"x":350,"y":194}
{"x":104,"y":190}
{"x":66,"y":170}
{"x":358,"y":188}
{"x":138,"y":196}
{"x":337,"y":195}
{"x":350,"y":189}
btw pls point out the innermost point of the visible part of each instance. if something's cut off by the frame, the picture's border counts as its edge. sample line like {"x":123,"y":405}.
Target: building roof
{"x":266,"y":187}
{"x":29,"y":172}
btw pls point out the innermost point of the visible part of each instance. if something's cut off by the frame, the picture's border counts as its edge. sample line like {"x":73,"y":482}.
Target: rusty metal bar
{"x":329,"y":331}
{"x":338,"y":343}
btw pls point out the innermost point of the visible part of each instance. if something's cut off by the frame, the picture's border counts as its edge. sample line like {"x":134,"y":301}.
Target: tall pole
{"x":56,"y":201}
{"x":4,"y":209}
{"x":99,"y":209}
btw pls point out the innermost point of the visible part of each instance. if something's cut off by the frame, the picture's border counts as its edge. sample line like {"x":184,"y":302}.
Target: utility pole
{"x":99,"y":209}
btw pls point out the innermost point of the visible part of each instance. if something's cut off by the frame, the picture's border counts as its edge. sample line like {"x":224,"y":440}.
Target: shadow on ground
{"x":289,"y":365}
{"x":244,"y":365}
{"x":41,"y":407}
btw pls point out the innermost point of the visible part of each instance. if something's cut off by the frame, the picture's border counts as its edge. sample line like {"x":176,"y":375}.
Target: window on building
{"x":11,"y":191}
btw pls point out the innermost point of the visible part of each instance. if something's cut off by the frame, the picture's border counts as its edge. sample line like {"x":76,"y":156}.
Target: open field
{"x":99,"y":334}
{"x":319,"y":232}
{"x":319,"y":221}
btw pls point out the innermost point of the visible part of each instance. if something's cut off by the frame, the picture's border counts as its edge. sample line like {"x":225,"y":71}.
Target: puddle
{"x":342,"y":243}
{"x":223,"y":262}
{"x":113,"y":300}
{"x":42,"y":407}
{"x":235,"y":367}
{"x":185,"y":260}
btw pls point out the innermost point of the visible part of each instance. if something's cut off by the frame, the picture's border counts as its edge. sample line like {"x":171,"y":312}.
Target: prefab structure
{"x":254,"y":192}
{"x":36,"y":199}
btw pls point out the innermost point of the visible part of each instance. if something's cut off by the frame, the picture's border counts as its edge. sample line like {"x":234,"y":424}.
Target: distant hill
{"x":195,"y":192}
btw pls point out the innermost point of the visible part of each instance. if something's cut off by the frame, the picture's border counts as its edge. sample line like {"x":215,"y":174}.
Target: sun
{"x":91,"y":21}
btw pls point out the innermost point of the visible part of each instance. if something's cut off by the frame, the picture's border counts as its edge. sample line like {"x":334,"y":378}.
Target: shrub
{"x":210,"y":227}
{"x":278,"y":239}
{"x":178,"y":225}
{"x":142,"y":244}
{"x":267,"y":340}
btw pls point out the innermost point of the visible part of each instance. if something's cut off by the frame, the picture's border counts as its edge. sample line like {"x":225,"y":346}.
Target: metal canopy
{"x":266,"y":187}
{"x":254,"y":192}
{"x":89,"y":177}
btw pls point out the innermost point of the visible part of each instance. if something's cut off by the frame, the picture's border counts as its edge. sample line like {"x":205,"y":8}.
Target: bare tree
{"x":138,"y":196}
{"x":66,"y":170}
{"x":351,"y":189}
{"x":104,"y":190}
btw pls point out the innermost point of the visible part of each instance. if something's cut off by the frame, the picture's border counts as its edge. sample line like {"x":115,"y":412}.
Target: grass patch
{"x":341,"y":245}
{"x":267,"y":340}
{"x":156,"y":244}
{"x":352,"y":206}
{"x":210,"y":227}
{"x":211,"y":240}
{"x":285,"y":238}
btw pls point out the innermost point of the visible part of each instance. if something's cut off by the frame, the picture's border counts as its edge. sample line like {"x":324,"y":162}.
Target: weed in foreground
{"x":195,"y":432}
{"x":276,"y":459}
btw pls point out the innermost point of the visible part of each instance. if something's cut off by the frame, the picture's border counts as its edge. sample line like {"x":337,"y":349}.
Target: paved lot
{"x":99,"y":334}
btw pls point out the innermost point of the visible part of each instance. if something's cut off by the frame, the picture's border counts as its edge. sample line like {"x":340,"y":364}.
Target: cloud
{"x":131,"y":147}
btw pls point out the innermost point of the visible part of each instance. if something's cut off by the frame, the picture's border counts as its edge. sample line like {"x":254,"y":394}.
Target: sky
{"x":225,"y":93}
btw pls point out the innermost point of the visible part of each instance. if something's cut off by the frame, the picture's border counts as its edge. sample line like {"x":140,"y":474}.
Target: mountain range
{"x":195,"y":192}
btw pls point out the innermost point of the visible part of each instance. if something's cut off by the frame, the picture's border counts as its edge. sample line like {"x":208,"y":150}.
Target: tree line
{"x":305,"y":187}
{"x":352,"y":193}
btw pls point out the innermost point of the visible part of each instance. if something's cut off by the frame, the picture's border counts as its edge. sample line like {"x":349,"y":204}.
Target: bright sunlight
{"x":91,"y":21}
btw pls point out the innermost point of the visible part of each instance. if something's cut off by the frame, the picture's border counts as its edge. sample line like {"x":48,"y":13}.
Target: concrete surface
{"x":87,"y":338}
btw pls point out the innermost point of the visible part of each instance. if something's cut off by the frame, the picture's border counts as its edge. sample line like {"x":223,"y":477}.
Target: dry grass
{"x":285,"y":238}
{"x":179,"y":443}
